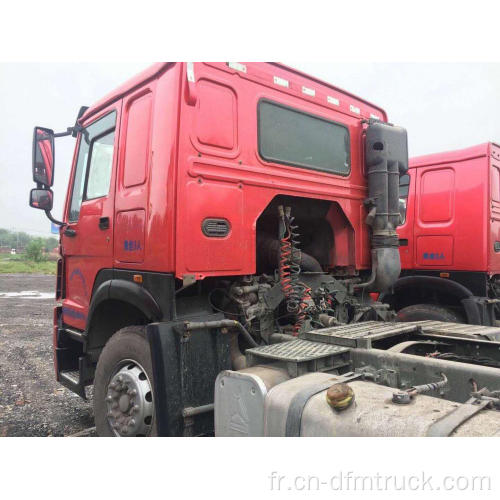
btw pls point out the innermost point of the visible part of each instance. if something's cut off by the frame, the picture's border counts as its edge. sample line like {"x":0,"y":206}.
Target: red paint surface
{"x":453,"y":211}
{"x":186,"y":151}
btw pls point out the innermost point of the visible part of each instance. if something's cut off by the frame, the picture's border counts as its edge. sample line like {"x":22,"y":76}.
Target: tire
{"x":123,"y":386}
{"x":421,"y":312}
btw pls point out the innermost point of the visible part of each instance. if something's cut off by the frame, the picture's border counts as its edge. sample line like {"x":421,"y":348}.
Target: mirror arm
{"x":69,"y":131}
{"x":55,"y":221}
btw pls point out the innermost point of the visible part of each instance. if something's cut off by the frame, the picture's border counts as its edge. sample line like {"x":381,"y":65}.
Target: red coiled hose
{"x":297,"y":295}
{"x":285,"y":256}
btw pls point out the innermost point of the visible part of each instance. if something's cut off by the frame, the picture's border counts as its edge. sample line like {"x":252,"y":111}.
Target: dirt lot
{"x":32,"y":403}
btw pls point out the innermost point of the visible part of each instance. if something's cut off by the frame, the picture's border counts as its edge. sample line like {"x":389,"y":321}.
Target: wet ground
{"x":32,"y":403}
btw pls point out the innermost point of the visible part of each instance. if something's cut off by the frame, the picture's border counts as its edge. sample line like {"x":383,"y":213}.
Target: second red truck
{"x":450,"y":237}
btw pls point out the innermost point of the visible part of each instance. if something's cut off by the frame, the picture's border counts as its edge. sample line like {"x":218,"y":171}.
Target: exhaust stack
{"x":386,"y":159}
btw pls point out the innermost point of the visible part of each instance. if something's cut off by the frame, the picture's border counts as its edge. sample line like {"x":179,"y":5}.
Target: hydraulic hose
{"x":223,"y":323}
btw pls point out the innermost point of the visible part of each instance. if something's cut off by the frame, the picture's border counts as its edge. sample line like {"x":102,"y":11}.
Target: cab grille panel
{"x":215,"y":228}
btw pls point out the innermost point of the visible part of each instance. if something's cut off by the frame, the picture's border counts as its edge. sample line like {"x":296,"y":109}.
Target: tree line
{"x":20,"y":240}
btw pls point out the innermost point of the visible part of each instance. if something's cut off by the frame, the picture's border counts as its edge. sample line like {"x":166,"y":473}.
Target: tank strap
{"x":299,"y":401}
{"x":456,"y":417}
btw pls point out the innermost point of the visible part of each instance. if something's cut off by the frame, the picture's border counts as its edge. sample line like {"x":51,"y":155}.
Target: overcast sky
{"x":443,"y":106}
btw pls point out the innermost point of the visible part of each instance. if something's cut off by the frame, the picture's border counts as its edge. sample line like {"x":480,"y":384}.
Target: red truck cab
{"x":450,"y":237}
{"x":192,"y":186}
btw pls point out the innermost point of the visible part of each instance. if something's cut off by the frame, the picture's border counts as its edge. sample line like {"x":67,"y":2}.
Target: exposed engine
{"x":298,"y":296}
{"x":299,"y":284}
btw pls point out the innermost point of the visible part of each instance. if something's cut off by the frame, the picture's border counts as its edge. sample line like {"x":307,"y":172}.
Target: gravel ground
{"x":32,"y":403}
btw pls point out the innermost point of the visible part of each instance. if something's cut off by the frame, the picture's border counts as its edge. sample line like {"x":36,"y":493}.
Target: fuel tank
{"x":263,"y":402}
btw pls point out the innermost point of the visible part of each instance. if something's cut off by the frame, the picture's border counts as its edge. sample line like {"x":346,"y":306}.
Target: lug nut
{"x":132,"y":393}
{"x":112,"y":385}
{"x":136,"y":409}
{"x":131,"y":422}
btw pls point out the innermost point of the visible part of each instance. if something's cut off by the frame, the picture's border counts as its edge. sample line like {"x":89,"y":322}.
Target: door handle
{"x":69,"y":232}
{"x":104,"y":223}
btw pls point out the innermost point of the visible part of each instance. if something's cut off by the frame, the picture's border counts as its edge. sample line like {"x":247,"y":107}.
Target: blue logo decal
{"x":132,"y":245}
{"x":434,"y":256}
{"x":78,"y":274}
{"x":67,"y":311}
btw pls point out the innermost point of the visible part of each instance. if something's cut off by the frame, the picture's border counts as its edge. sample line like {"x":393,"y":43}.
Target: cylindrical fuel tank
{"x":371,"y":414}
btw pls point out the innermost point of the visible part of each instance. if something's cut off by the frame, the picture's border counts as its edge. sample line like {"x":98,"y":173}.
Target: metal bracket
{"x":188,"y":279}
{"x":383,"y":376}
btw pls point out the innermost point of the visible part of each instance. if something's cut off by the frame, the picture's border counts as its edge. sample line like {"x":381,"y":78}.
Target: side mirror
{"x":43,"y":156}
{"x":41,"y":198}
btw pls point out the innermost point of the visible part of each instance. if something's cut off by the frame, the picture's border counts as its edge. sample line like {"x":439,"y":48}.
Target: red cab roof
{"x":485,"y":149}
{"x":156,"y":69}
{"x":148,"y":74}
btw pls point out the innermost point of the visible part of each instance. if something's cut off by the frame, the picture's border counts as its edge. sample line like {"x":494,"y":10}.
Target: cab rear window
{"x":292,"y":137}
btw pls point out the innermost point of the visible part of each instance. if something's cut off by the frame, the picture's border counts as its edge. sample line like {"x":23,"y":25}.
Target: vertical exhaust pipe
{"x":386,"y":159}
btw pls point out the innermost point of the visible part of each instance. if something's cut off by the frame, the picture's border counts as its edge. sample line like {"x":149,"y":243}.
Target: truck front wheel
{"x":123,"y":386}
{"x":421,"y":312}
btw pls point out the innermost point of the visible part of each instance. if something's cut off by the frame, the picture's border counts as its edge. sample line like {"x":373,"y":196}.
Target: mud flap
{"x":185,"y":366}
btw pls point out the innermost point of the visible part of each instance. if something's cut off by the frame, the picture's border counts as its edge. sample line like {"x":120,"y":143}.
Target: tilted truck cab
{"x":224,"y":227}
{"x":450,"y":239}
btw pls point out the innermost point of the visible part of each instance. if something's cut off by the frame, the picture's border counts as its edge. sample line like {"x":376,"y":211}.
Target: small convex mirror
{"x":43,"y":156}
{"x":41,"y":198}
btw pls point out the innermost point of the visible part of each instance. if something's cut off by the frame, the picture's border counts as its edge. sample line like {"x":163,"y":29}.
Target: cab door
{"x":87,"y":240}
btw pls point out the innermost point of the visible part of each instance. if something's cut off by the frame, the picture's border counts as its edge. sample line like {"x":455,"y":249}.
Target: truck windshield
{"x":293,"y":137}
{"x":97,"y":138}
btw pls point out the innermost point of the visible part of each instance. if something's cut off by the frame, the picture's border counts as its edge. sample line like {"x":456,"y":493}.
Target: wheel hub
{"x":129,"y":401}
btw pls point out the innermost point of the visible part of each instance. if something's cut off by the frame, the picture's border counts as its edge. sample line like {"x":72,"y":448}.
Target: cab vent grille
{"x":215,"y":228}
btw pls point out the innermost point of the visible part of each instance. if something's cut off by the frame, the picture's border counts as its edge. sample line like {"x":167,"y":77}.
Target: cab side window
{"x":404,"y":186}
{"x":94,"y":163}
{"x":101,"y":163}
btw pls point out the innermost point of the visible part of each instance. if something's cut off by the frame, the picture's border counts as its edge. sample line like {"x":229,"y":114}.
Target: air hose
{"x":295,"y":292}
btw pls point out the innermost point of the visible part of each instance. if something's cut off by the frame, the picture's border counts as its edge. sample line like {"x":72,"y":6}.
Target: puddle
{"x":28,"y":294}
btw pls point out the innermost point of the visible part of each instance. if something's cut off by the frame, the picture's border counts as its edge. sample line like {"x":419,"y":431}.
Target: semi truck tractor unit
{"x":225,"y":229}
{"x":450,"y":238}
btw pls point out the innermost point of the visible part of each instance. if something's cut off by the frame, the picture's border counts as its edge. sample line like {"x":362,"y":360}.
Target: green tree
{"x":34,"y":250}
{"x":22,"y":239}
{"x":49,"y":244}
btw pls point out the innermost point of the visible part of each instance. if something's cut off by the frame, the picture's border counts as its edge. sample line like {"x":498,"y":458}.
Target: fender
{"x":443,"y":285}
{"x":477,"y":309}
{"x":125,"y":291}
